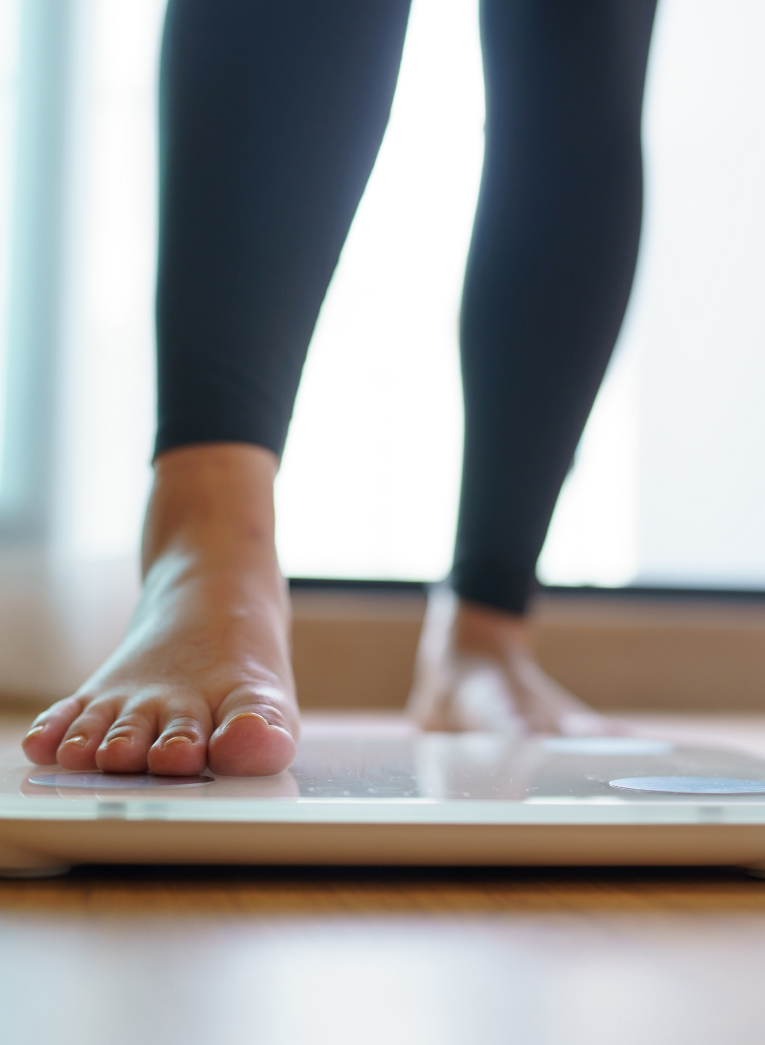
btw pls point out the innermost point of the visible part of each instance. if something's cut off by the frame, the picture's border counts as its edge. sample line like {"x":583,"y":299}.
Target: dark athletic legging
{"x":272,"y":113}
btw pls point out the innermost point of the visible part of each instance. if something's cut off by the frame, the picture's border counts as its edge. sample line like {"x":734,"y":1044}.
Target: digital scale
{"x":376,"y":791}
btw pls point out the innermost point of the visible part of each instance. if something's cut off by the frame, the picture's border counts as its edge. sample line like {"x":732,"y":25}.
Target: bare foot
{"x":476,"y":670}
{"x":203,"y":675}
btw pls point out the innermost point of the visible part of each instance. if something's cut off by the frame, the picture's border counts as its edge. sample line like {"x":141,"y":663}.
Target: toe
{"x":48,"y":729}
{"x":79,"y":744}
{"x":181,"y":747}
{"x":125,"y":746}
{"x":256,"y":733}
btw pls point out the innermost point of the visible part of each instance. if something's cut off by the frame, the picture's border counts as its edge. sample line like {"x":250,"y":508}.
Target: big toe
{"x":256,"y":735}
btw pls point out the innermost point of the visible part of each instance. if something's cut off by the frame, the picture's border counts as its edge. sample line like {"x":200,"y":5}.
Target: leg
{"x":271,"y":117}
{"x":548,"y":279}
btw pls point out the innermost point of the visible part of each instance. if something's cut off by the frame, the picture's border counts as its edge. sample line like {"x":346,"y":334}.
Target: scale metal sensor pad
{"x":377,"y":791}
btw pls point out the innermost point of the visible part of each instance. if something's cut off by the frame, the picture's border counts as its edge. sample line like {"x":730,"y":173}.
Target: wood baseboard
{"x":356,"y":650}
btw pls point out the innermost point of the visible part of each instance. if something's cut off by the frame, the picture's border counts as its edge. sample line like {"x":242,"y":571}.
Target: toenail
{"x":33,"y":732}
{"x":79,"y":739}
{"x":115,"y":739}
{"x":175,"y":740}
{"x":247,"y":714}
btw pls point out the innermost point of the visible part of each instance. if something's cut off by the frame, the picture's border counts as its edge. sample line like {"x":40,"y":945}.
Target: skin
{"x":476,"y":670}
{"x":203,"y":676}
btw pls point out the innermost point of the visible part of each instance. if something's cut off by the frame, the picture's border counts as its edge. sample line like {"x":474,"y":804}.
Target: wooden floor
{"x":228,"y":956}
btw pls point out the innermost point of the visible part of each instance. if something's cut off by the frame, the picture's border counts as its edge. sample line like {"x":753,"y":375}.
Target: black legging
{"x":272,"y":113}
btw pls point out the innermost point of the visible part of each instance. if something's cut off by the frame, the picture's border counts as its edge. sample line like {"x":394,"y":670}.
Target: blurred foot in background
{"x":476,"y":670}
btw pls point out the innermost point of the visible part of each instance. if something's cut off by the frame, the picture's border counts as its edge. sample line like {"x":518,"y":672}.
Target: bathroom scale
{"x":377,"y":791}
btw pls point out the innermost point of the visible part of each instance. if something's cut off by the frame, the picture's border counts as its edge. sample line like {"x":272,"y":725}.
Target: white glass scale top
{"x":382,"y":774}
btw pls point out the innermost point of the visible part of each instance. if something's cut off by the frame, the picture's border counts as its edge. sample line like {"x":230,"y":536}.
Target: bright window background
{"x":668,"y":484}
{"x":8,"y":94}
{"x":370,"y":476}
{"x":107,"y":411}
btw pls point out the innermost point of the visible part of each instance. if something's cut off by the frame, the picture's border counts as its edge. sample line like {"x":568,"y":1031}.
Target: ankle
{"x":217,"y":498}
{"x":486,"y":631}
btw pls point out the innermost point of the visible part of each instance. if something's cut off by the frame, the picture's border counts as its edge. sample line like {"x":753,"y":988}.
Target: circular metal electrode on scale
{"x":116,"y":781}
{"x":690,"y":785}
